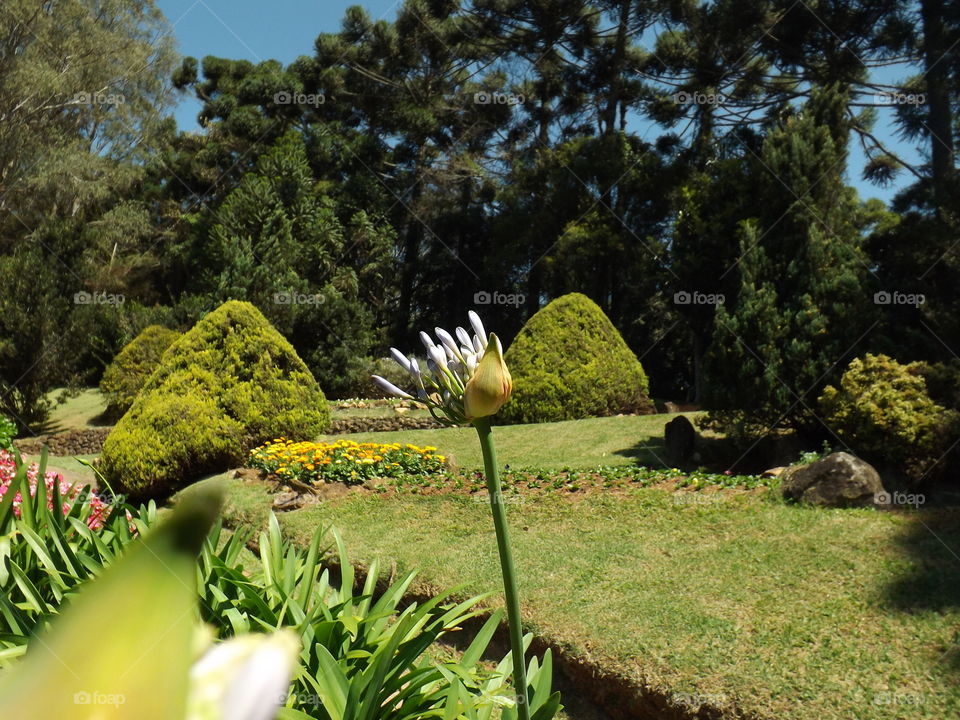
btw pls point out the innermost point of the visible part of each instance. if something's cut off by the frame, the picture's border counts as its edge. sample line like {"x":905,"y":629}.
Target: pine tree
{"x":276,"y":242}
{"x":802,"y":304}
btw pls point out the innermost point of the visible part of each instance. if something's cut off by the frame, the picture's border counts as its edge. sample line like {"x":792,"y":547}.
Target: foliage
{"x":74,"y":144}
{"x":229,"y":384}
{"x":48,"y":554}
{"x":883,"y":410}
{"x":141,"y":667}
{"x":131,"y":368}
{"x":524,"y":482}
{"x":802,"y":302}
{"x":8,"y":431}
{"x":809,"y":456}
{"x":56,"y":487}
{"x":388,"y":369}
{"x":360,"y":650}
{"x":343,"y":461}
{"x":570,"y":362}
{"x":279,"y":244}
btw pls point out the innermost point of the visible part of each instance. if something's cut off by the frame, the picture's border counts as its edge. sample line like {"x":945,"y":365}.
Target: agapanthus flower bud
{"x":490,"y":386}
{"x":451,"y":367}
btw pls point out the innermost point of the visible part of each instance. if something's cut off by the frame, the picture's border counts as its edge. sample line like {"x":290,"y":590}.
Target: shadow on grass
{"x":712,"y":453}
{"x":931,"y":541}
{"x":650,"y":452}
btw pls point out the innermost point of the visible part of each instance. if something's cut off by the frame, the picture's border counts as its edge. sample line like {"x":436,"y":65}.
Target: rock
{"x":285,"y":501}
{"x":331,"y":490}
{"x":838,"y":480}
{"x":247,"y":474}
{"x":341,"y":426}
{"x":375,"y":482}
{"x":86,"y":441}
{"x":679,"y":438}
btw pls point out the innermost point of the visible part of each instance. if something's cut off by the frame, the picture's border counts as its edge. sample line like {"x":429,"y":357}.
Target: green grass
{"x":787,"y":612}
{"x":78,"y":412}
{"x":376,"y":412}
{"x":69,"y":466}
{"x":575,"y":443}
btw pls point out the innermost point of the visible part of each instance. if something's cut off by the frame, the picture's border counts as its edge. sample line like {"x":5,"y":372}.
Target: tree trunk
{"x":940,"y":115}
{"x":616,"y":70}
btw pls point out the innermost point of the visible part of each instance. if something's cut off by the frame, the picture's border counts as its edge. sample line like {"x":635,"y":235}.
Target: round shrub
{"x":883,"y":410}
{"x":569,"y":362}
{"x":229,"y":384}
{"x":133,"y":365}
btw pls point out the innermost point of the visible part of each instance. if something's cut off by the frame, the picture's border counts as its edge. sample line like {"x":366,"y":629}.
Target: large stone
{"x":838,"y":480}
{"x":679,"y":439}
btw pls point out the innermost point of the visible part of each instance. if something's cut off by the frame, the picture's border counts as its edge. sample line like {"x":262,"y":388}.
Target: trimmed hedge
{"x":569,"y":362}
{"x":883,"y":409}
{"x":226,"y":386}
{"x":132,"y":367}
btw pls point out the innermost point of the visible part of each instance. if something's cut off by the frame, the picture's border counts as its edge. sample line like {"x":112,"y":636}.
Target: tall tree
{"x":802,"y":303}
{"x":83,"y":91}
{"x":276,"y":242}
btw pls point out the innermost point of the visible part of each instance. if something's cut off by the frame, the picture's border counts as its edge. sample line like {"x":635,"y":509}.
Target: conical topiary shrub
{"x":129,"y":371}
{"x":226,"y":386}
{"x":569,"y":362}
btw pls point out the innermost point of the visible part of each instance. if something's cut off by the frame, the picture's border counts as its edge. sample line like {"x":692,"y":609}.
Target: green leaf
{"x":143,"y":610}
{"x":331,"y":684}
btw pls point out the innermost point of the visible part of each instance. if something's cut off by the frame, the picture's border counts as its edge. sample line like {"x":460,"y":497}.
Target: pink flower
{"x":71,"y":494}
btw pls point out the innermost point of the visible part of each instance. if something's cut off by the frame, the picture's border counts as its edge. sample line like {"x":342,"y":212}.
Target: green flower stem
{"x":506,"y":563}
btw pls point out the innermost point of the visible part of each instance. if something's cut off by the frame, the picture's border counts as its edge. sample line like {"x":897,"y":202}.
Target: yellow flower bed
{"x":344,"y":461}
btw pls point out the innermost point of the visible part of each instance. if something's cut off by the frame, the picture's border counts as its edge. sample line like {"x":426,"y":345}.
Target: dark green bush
{"x":570,"y":362}
{"x":132,"y":367}
{"x":229,"y":384}
{"x":943,"y":382}
{"x":884,"y":411}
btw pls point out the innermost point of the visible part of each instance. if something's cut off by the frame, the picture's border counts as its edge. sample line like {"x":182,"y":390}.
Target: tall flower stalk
{"x":467,"y":381}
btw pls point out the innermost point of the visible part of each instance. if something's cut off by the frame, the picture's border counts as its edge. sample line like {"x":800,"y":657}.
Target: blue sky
{"x":285,"y":29}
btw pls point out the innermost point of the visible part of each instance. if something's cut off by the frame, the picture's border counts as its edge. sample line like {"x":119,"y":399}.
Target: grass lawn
{"x":377,"y":412}
{"x":77,"y":412}
{"x":69,"y":466}
{"x":576,"y":443}
{"x":783,"y":611}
